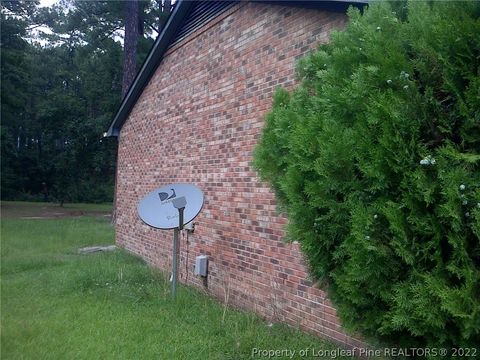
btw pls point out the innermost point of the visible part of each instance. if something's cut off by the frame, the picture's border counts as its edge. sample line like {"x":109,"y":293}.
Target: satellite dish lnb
{"x":159,"y":208}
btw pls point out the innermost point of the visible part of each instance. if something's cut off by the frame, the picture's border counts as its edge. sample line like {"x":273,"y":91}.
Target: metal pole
{"x":175,"y":251}
{"x":174,"y":264}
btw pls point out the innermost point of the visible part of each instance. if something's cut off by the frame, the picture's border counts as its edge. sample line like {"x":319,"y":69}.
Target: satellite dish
{"x":159,"y":208}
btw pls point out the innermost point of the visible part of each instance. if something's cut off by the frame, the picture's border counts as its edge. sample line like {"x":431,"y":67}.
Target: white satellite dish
{"x":171,"y":207}
{"x":159,"y":208}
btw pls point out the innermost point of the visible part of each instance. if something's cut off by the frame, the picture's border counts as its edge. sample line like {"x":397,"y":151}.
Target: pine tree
{"x":375,"y":158}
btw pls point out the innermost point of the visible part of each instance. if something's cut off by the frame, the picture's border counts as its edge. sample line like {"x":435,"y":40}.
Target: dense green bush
{"x":375,"y":158}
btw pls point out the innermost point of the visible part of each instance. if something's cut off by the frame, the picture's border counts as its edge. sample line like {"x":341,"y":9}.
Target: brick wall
{"x":198,"y":121}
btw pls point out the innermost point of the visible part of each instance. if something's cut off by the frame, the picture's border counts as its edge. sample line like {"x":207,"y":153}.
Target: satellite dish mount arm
{"x":180,"y":203}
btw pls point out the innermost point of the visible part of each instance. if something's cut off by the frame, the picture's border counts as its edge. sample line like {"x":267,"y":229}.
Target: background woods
{"x":62,"y":72}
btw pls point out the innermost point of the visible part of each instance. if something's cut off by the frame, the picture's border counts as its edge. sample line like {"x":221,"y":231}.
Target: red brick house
{"x":193,"y":115}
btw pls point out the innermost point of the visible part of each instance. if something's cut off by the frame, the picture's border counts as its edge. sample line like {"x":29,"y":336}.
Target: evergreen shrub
{"x":375,"y":158}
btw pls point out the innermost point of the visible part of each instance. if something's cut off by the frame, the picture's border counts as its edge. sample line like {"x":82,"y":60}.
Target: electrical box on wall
{"x":201,"y":265}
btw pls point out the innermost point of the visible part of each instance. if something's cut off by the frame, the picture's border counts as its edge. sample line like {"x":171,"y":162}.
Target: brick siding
{"x":198,"y":121}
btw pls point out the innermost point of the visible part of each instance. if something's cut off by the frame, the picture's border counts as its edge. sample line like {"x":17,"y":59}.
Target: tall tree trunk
{"x":130,"y":44}
{"x":132,"y":34}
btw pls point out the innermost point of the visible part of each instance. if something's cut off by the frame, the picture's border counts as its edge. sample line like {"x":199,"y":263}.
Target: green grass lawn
{"x":57,"y":304}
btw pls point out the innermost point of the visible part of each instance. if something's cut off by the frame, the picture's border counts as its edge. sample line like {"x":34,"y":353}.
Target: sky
{"x":47,"y":2}
{"x":43,"y":3}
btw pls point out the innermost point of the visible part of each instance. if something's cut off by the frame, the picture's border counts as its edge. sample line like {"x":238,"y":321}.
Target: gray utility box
{"x":201,"y":265}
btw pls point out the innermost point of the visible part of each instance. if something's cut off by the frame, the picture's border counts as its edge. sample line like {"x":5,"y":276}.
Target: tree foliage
{"x":56,"y":102}
{"x":60,"y":91}
{"x":375,"y":158}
